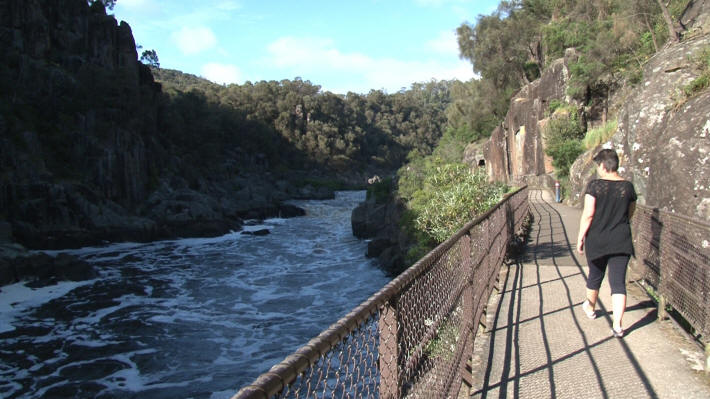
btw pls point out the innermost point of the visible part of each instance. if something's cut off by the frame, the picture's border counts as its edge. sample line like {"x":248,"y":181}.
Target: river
{"x":188,"y":318}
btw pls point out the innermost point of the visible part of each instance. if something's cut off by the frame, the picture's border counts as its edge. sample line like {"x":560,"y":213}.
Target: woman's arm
{"x":585,"y":221}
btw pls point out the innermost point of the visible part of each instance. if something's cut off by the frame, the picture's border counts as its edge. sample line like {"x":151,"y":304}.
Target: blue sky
{"x":346,"y":45}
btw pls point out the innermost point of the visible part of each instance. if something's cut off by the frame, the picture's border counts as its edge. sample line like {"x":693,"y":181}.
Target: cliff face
{"x":515,"y":151}
{"x":662,"y":138}
{"x":77,"y":121}
{"x":85,"y":155}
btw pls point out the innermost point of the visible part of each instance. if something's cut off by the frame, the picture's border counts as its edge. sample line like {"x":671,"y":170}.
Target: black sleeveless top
{"x":610,"y":231}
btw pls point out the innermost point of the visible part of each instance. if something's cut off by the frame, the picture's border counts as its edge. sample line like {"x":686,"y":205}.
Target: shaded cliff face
{"x":78,"y":104}
{"x":663,"y":140}
{"x":515,"y":151}
{"x":77,"y":121}
{"x":85,"y":155}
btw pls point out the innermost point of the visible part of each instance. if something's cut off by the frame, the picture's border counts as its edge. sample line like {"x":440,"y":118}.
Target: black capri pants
{"x":617,"y":272}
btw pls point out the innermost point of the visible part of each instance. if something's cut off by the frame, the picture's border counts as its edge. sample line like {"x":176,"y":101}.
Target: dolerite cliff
{"x":515,"y":151}
{"x":85,"y":157}
{"x":662,"y":138}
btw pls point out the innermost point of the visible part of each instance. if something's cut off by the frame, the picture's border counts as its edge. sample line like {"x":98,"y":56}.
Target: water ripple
{"x":196,"y":317}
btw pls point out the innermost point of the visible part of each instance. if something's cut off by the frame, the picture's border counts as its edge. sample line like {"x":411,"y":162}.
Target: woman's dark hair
{"x":608,"y":158}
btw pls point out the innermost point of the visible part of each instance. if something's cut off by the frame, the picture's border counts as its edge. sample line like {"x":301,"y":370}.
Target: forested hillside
{"x":608,"y":43}
{"x":510,"y":47}
{"x":97,"y":146}
{"x":353,"y":134}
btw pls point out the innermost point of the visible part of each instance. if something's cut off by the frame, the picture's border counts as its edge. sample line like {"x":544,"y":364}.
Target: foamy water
{"x":190,"y":318}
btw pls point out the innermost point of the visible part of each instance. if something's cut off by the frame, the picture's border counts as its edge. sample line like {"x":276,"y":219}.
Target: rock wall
{"x":84,"y":153}
{"x":516,"y":148}
{"x":663,"y":139}
{"x":379,"y":222}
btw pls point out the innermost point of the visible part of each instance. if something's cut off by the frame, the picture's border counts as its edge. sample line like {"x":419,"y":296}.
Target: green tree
{"x":563,"y":141}
{"x":150,"y":57}
{"x":108,"y":4}
{"x":450,"y":196}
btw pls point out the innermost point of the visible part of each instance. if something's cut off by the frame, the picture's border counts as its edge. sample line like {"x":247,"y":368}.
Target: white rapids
{"x":188,"y":318}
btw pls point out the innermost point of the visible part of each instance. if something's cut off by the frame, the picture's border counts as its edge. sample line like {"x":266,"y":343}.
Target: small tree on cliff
{"x":108,"y":4}
{"x":563,"y":140}
{"x":150,"y":57}
{"x":673,"y":31}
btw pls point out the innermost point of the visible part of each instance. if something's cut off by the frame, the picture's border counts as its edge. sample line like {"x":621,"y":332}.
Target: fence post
{"x":488,"y":262}
{"x":663,"y":238}
{"x":707,"y":359}
{"x":389,"y":351}
{"x":662,"y":302}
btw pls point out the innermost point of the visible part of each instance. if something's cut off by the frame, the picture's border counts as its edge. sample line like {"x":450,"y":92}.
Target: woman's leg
{"x":618,"y":304}
{"x":617,"y":281}
{"x":597,"y":268}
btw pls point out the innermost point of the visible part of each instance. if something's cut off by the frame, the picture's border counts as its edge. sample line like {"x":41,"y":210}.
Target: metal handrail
{"x":389,"y":346}
{"x":673,"y":257}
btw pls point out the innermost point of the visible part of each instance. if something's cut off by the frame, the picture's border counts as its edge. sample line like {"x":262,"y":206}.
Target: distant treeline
{"x":295,"y":122}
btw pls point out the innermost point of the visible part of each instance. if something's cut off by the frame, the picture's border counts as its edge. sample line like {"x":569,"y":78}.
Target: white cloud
{"x":446,"y":43}
{"x":194,"y":40}
{"x":138,"y":9}
{"x":134,"y":3}
{"x":313,"y":52}
{"x":229,"y":5}
{"x":221,"y":73}
{"x":438,"y":3}
{"x":319,"y":57}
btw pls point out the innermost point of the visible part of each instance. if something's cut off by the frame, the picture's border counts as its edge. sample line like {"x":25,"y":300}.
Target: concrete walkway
{"x":540,"y":344}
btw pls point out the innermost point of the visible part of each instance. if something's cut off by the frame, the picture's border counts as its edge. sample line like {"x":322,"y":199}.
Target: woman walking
{"x":605,"y":235}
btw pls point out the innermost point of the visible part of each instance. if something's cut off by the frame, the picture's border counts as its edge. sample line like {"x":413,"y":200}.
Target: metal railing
{"x":673,"y":257}
{"x":413,"y":337}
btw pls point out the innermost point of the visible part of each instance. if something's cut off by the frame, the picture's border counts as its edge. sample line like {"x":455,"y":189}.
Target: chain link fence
{"x":673,"y":257}
{"x":413,"y":338}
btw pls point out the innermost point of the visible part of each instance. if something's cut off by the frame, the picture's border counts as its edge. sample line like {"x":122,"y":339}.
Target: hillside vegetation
{"x":509,"y":49}
{"x":296,"y":124}
{"x":97,"y":146}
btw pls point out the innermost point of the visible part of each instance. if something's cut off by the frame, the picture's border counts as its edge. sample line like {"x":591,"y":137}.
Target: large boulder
{"x":380,"y":222}
{"x":64,"y":215}
{"x":368,"y":219}
{"x":41,"y":269}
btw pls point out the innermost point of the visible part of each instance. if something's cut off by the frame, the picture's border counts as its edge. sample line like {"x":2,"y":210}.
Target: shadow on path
{"x":541,"y":343}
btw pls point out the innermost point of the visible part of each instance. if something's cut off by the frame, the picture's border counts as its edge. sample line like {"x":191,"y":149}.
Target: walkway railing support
{"x":662,"y":312}
{"x":388,"y":351}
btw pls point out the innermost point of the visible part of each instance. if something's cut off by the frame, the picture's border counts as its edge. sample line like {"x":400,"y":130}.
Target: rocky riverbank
{"x":379,"y":222}
{"x":62,"y":216}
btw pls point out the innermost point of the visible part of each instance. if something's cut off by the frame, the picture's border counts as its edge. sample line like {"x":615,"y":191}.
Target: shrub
{"x":599,"y":135}
{"x":563,"y":138}
{"x":565,"y":33}
{"x":583,"y":72}
{"x":702,"y":63}
{"x":451,"y":195}
{"x":380,"y":191}
{"x":554,"y":105}
{"x":454,"y":141}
